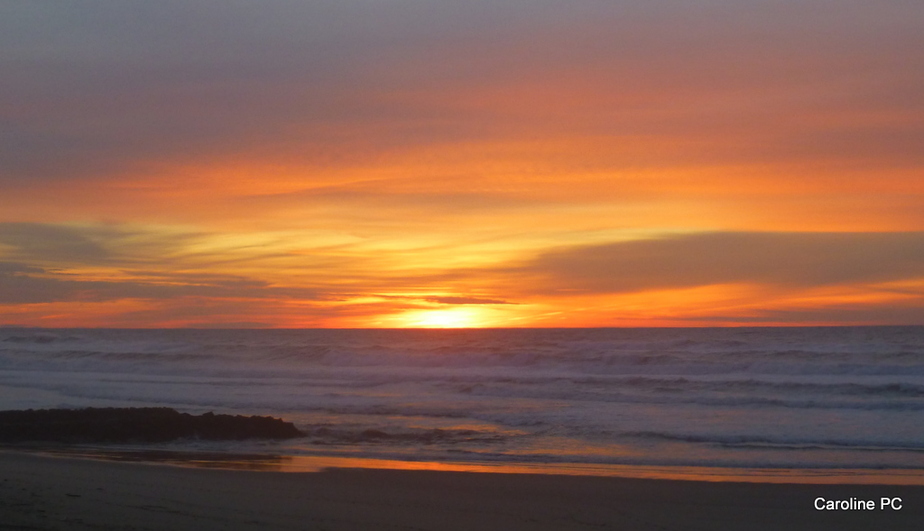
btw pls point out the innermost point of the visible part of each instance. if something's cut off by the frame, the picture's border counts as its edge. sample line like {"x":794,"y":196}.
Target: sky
{"x":426,"y":163}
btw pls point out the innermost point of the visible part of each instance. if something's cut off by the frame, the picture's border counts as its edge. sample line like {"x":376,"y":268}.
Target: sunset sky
{"x":403,"y":163}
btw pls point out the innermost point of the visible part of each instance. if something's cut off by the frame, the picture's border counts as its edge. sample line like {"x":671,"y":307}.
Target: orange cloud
{"x":355,"y":164}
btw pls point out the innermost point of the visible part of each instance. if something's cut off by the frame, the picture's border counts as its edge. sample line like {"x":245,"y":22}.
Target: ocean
{"x":798,"y":402}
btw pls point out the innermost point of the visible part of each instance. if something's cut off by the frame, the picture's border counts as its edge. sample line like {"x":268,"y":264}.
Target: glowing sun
{"x":449,"y":318}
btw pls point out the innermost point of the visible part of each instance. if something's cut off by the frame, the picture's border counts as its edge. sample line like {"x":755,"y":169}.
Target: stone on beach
{"x":149,"y":424}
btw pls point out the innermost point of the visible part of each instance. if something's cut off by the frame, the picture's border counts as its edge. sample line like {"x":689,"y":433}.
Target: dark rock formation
{"x":148,"y":424}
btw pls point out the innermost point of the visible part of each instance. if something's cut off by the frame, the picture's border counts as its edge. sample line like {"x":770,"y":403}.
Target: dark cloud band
{"x":786,"y":259}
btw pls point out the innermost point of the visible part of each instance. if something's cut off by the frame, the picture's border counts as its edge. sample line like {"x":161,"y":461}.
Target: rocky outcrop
{"x":149,"y":424}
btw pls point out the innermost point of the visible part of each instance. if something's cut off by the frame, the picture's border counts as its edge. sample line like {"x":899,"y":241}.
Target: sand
{"x":51,"y":493}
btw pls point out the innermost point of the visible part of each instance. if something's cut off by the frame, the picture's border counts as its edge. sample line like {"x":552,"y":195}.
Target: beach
{"x":532,"y":429}
{"x":54,"y":493}
{"x":434,"y":266}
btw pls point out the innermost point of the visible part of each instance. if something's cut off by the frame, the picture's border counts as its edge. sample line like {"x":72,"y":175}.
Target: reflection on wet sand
{"x":289,"y":464}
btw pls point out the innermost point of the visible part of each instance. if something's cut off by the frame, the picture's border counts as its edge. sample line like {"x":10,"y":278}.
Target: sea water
{"x":834,"y":398}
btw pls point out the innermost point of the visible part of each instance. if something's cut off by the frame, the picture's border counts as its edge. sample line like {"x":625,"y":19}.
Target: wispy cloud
{"x":308,"y":157}
{"x":777,"y":259}
{"x":464,"y":300}
{"x":143,"y":88}
{"x":54,"y":243}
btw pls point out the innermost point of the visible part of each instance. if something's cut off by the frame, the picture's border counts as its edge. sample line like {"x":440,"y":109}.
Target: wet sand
{"x":51,"y":493}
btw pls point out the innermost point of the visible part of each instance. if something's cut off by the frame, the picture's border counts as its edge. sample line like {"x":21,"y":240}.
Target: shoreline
{"x":293,"y":464}
{"x":43,"y":492}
